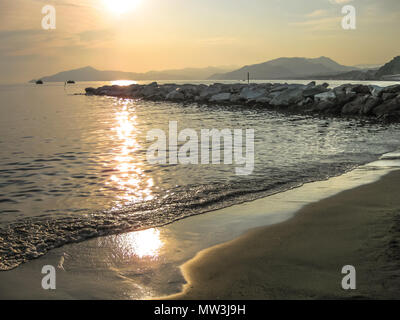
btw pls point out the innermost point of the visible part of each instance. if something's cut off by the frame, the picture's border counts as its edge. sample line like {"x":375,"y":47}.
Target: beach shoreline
{"x":145,"y":264}
{"x":302,"y":258}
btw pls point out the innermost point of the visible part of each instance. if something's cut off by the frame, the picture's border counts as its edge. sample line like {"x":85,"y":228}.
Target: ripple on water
{"x":85,"y":173}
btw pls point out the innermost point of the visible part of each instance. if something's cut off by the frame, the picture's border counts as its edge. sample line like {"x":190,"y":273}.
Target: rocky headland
{"x":350,"y":100}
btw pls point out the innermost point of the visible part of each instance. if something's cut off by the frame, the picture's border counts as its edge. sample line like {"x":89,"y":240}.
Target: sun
{"x":121,"y":6}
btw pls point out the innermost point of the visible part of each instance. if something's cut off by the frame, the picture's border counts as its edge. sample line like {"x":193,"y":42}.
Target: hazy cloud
{"x":318,"y":13}
{"x":97,"y":35}
{"x":177,"y":33}
{"x":340,"y":1}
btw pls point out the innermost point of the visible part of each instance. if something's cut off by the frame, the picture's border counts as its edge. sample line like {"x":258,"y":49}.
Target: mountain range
{"x":91,"y":74}
{"x":285,"y":68}
{"x":278,"y":69}
{"x":390,"y":72}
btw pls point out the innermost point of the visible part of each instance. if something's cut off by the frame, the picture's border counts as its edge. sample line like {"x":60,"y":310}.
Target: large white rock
{"x":175,"y":96}
{"x":325,"y":96}
{"x":288,"y":97}
{"x":150,"y":91}
{"x":252,"y":93}
{"x":235,"y":98}
{"x":208,"y":92}
{"x":375,"y":90}
{"x":220,"y":97}
{"x":263,"y":99}
{"x":279,"y":87}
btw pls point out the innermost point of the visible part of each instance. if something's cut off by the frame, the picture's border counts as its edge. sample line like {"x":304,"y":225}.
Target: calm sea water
{"x":73,"y":167}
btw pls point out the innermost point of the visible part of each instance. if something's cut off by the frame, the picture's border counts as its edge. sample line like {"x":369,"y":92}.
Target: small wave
{"x":390,"y":156}
{"x":30,"y":238}
{"x":9,"y":211}
{"x":7,"y":201}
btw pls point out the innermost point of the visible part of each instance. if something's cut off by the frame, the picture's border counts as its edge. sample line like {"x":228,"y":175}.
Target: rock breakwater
{"x":380,"y":103}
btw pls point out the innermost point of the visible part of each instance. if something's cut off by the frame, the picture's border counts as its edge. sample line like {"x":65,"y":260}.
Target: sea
{"x":74,"y":167}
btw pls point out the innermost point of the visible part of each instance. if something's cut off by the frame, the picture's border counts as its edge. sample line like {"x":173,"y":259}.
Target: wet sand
{"x":302,"y":258}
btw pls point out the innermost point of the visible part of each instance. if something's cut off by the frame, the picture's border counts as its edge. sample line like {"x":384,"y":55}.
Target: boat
{"x":39,"y":82}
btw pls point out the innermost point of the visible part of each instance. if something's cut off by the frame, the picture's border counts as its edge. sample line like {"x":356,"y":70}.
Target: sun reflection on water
{"x":123,"y":82}
{"x":129,"y":178}
{"x":141,"y":244}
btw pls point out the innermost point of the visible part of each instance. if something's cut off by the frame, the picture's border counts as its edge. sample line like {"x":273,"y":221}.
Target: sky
{"x":144,"y":35}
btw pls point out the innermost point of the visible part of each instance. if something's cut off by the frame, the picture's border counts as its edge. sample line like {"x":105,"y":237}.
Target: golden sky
{"x":143,"y":35}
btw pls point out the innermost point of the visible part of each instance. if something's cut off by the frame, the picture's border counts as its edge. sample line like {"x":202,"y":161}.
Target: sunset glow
{"x":139,"y":36}
{"x":121,"y":6}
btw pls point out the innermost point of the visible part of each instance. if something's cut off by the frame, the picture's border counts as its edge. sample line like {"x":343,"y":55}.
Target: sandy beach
{"x":302,"y":258}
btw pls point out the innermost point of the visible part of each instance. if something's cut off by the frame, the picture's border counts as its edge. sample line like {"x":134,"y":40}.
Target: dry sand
{"x":303,"y":257}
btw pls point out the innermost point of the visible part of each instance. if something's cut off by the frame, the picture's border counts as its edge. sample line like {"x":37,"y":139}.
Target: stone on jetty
{"x":175,"y":95}
{"x":392,"y":89}
{"x":292,"y":95}
{"x":376,"y":91}
{"x":90,"y":91}
{"x":354,"y":107}
{"x":350,"y":100}
{"x":221,"y":97}
{"x":326,"y":96}
{"x":312,"y":91}
{"x":250,"y":93}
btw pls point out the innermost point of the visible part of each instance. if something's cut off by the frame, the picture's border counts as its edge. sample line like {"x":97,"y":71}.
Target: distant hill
{"x":368,"y":66}
{"x":360,"y":75}
{"x":319,"y":68}
{"x":279,"y":69}
{"x":92,"y":74}
{"x":390,"y":69}
{"x":285,"y":68}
